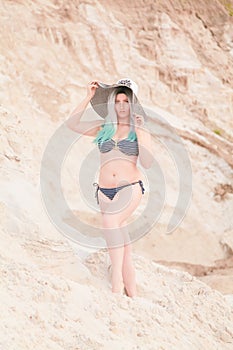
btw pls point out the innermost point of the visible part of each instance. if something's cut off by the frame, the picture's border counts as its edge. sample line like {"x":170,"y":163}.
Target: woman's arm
{"x":144,"y":143}
{"x":74,"y":123}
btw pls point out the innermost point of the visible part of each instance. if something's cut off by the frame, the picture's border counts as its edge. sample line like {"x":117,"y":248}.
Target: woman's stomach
{"x":115,"y":172}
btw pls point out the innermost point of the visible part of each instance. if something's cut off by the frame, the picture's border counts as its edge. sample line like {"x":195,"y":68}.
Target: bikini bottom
{"x":111,"y":192}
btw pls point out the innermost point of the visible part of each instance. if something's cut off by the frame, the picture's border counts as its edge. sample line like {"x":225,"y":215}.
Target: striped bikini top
{"x":130,"y":148}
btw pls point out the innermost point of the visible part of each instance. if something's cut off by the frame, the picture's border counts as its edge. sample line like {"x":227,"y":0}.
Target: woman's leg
{"x":116,"y":256}
{"x":112,"y":234}
{"x":128,"y":272}
{"x":114,"y":215}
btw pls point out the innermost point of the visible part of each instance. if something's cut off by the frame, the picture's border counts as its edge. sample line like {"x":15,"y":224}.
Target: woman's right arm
{"x":74,"y":123}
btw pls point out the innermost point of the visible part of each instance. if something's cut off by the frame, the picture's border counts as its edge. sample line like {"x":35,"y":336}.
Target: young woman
{"x":121,"y":140}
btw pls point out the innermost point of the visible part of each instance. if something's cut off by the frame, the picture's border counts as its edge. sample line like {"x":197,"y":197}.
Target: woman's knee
{"x":110,"y":221}
{"x":114,"y":221}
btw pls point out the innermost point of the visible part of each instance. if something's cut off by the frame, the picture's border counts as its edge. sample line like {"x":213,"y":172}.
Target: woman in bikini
{"x":122,"y":140}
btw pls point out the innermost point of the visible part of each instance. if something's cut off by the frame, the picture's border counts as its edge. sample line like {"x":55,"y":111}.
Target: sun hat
{"x":99,"y":101}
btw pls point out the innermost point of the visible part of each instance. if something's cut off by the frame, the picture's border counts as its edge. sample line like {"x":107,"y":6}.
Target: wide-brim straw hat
{"x":99,"y":101}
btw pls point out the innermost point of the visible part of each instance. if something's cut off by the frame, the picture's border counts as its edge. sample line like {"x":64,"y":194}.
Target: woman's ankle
{"x":130,"y":291}
{"x":118,"y":288}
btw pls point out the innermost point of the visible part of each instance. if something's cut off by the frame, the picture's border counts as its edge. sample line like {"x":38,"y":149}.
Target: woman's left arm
{"x":144,"y":142}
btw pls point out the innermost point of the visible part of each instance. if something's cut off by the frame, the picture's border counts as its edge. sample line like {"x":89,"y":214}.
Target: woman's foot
{"x":130,"y":293}
{"x":117,"y":287}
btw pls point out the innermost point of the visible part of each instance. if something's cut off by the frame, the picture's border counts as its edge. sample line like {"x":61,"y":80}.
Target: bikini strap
{"x":141,"y":184}
{"x":96,"y":191}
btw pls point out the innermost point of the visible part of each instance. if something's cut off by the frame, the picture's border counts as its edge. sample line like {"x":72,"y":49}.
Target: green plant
{"x":218,"y":132}
{"x":228,"y":7}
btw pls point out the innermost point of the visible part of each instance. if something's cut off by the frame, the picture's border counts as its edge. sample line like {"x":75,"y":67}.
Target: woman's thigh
{"x":116,"y":211}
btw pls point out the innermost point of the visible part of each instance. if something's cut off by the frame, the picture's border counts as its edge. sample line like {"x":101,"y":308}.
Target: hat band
{"x":125,"y":82}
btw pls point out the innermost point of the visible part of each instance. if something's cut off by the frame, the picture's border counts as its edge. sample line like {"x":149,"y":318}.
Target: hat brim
{"x":99,"y":101}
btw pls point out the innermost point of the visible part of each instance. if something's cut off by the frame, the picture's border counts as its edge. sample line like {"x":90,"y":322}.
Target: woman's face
{"x":122,"y":105}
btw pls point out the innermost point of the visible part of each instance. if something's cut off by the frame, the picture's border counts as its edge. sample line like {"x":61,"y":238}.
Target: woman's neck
{"x":122,"y":131}
{"x":123,"y":123}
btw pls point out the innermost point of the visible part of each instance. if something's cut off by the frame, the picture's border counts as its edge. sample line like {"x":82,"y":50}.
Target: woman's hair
{"x":110,"y":125}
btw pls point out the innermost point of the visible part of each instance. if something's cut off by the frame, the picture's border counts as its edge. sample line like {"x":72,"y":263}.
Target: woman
{"x":122,"y":139}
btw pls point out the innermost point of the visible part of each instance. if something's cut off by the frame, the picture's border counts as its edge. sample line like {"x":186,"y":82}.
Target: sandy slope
{"x":181,"y":55}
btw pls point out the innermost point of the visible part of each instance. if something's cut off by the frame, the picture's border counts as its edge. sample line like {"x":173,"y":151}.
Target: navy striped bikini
{"x":130,"y":148}
{"x":111,"y":192}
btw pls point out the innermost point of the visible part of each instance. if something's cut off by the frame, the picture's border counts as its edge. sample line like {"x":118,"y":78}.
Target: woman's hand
{"x":138,"y":120}
{"x":91,"y":88}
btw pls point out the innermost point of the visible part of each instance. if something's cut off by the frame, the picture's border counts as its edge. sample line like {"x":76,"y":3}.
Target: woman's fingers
{"x":138,"y":119}
{"x":91,"y":87}
{"x":94,"y":83}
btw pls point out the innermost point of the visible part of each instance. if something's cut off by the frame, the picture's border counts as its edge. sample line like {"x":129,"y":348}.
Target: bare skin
{"x":117,"y":169}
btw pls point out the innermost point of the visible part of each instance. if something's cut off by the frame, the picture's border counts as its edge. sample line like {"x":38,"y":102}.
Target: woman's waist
{"x":118,"y":177}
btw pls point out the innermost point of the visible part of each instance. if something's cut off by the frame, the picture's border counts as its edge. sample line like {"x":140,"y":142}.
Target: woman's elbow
{"x":147,"y":163}
{"x":70,"y":125}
